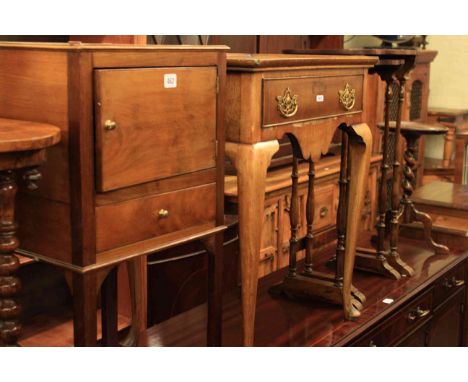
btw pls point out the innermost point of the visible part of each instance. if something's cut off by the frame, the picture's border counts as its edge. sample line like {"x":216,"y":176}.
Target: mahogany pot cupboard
{"x":140,"y":166}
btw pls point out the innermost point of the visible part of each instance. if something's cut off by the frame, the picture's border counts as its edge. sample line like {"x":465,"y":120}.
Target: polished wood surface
{"x":447,"y":205}
{"x":17,"y":135}
{"x":291,"y":323}
{"x":443,"y":194}
{"x":18,"y":139}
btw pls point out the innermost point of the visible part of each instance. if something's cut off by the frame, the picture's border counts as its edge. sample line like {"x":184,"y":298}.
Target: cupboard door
{"x":447,"y":329}
{"x":153,"y":123}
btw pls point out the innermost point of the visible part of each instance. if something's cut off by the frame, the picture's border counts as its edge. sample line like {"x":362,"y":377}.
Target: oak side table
{"x":23,"y":147}
{"x":305,"y":98}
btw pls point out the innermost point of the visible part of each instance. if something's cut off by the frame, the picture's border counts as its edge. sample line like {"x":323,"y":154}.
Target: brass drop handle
{"x":110,"y":125}
{"x":456,"y":282}
{"x":163,"y":213}
{"x":418,"y":313}
{"x":323,"y":212}
{"x":422,"y":312}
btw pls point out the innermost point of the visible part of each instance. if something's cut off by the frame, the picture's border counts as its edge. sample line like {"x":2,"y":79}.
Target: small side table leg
{"x":360,"y":146}
{"x":410,"y":213}
{"x":9,"y":263}
{"x":251,"y":162}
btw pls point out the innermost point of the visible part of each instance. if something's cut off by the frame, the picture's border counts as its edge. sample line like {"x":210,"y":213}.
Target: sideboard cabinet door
{"x":153,"y":123}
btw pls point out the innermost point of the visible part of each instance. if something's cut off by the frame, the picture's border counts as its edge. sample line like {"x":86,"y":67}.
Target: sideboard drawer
{"x":140,"y":219}
{"x":153,"y":123}
{"x":448,"y":284}
{"x":295,"y":99}
{"x":400,"y":324}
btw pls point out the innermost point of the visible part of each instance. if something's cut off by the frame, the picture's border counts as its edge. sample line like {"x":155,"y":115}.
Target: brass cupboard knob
{"x":163,"y":213}
{"x":110,"y":125}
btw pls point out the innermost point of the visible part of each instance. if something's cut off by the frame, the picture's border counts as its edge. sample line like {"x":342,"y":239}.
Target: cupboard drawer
{"x":140,"y":219}
{"x":294,"y":99}
{"x":396,"y":327}
{"x":153,"y":123}
{"x":448,"y":284}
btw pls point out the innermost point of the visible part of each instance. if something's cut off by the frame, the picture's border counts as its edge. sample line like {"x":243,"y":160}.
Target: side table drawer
{"x":140,"y":219}
{"x":397,"y":326}
{"x":287,"y":100}
{"x":448,"y":284}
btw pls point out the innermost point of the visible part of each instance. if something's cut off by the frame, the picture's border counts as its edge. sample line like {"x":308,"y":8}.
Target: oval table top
{"x":17,"y":135}
{"x":418,"y":128}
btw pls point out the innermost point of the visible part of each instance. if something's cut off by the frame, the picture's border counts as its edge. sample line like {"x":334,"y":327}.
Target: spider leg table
{"x":22,"y":149}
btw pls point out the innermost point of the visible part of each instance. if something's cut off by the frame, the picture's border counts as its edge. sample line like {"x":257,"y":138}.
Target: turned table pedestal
{"x":407,"y":212}
{"x":22,"y":149}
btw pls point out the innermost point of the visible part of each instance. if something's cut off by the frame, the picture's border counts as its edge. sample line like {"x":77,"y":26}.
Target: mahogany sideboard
{"x":139,"y":169}
{"x":427,"y":309}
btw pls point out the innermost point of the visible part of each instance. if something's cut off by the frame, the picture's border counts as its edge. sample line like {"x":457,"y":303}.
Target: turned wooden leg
{"x":294,"y":220}
{"x":382,"y":198}
{"x":410,"y":212}
{"x":393,"y":256}
{"x":9,"y":263}
{"x":310,"y":210}
{"x":138,"y":279}
{"x":360,"y":146}
{"x":341,"y":213}
{"x":214,"y":247}
{"x":85,"y":309}
{"x":251,"y":163}
{"x":448,"y":146}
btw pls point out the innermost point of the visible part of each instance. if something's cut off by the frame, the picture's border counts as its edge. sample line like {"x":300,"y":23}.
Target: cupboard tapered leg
{"x":214,"y":247}
{"x":109,"y":311}
{"x":137,"y":274}
{"x":251,"y":162}
{"x":85,"y":309}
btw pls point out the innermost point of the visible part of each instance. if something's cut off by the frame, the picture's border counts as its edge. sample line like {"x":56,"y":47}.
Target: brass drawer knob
{"x":323,"y":212}
{"x":347,"y":97}
{"x":110,"y":125}
{"x":287,"y":103}
{"x":163,"y":213}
